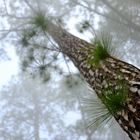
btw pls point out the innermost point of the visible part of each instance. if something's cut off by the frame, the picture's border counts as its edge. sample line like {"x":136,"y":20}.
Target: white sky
{"x":71,"y":118}
{"x":8,"y":68}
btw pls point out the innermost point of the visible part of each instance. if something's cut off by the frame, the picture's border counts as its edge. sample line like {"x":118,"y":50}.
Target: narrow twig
{"x":30,"y":6}
{"x":101,"y":14}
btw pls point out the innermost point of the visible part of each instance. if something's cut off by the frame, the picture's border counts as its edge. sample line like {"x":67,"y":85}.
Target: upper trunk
{"x":100,"y":77}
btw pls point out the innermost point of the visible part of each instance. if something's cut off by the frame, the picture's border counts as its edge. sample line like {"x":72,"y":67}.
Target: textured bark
{"x":100,"y":77}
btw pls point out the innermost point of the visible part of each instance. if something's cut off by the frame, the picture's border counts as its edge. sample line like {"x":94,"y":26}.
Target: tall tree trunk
{"x":100,"y":77}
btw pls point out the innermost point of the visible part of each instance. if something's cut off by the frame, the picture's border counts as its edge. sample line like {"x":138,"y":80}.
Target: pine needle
{"x":101,"y":50}
{"x":115,"y":98}
{"x":40,"y":21}
{"x":97,"y":115}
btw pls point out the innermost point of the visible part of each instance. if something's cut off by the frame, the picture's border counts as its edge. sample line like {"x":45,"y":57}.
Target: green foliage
{"x":115,"y":98}
{"x":71,"y":81}
{"x":100,"y":110}
{"x":96,"y":112}
{"x":100,"y":51}
{"x":27,"y":34}
{"x":85,"y":25}
{"x":40,"y":21}
{"x":24,"y":41}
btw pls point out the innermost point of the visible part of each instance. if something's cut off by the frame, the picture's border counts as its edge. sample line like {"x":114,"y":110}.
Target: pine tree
{"x":116,"y":83}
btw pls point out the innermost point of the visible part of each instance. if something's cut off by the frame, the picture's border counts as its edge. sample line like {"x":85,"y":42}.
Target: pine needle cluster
{"x":114,"y":98}
{"x":100,"y":111}
{"x":96,"y":113}
{"x":40,"y":21}
{"x":101,"y":50}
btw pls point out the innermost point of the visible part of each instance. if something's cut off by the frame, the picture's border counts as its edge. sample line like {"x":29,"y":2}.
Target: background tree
{"x":34,"y":116}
